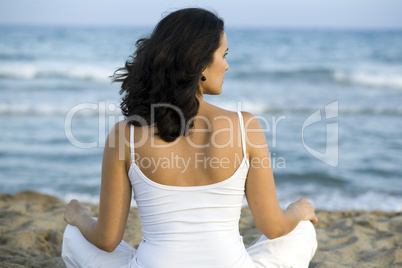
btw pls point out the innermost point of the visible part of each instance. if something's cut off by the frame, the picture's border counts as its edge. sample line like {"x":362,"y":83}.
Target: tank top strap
{"x":243,"y":134}
{"x":132,"y":143}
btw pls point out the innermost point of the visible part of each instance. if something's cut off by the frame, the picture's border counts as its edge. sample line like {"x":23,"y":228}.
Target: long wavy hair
{"x":160,"y":81}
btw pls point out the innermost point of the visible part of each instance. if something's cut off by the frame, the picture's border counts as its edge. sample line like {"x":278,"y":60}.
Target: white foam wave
{"x":81,"y":71}
{"x":332,"y":200}
{"x":82,"y":197}
{"x":371,"y":79}
{"x":26,"y":109}
{"x":338,"y":198}
{"x":55,"y":110}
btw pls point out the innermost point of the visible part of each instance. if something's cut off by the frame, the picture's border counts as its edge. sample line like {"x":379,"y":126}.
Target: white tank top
{"x":194,"y":226}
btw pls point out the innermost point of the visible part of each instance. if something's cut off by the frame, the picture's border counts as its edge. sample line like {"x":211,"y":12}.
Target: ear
{"x":200,"y":86}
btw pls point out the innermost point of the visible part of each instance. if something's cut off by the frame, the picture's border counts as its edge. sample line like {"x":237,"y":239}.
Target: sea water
{"x":330,"y":103}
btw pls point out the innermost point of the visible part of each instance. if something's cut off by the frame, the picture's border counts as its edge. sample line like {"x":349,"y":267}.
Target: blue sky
{"x":245,"y":13}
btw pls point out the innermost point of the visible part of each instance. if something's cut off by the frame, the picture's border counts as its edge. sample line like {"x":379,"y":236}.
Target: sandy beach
{"x":31,"y":233}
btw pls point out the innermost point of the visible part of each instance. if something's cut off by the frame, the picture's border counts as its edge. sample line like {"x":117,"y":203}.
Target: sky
{"x":345,"y":14}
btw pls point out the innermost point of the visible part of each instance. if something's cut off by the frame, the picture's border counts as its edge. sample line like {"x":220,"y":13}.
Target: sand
{"x":31,"y":233}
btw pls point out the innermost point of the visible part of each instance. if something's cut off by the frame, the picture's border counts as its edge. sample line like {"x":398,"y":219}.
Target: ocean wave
{"x":332,"y":199}
{"x":312,"y":177}
{"x":302,"y":73}
{"x":16,"y":57}
{"x":369,"y":79}
{"x":381,"y":79}
{"x":80,"y":110}
{"x":29,"y":70}
{"x":21,"y":110}
{"x":79,"y":195}
{"x":75,"y":71}
{"x":338,"y":198}
{"x":92,"y":109}
{"x":341,"y":111}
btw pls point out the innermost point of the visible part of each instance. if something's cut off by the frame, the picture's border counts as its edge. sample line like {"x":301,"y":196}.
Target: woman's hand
{"x":304,"y":208}
{"x":74,"y":210}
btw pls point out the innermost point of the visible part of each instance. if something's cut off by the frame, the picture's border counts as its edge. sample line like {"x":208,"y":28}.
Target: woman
{"x":189,"y":164}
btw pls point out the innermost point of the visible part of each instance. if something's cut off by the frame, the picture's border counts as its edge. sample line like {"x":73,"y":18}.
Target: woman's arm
{"x":269,"y":218}
{"x":107,"y":232}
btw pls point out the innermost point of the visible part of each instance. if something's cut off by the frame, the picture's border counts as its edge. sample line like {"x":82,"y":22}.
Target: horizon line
{"x":227,"y":27}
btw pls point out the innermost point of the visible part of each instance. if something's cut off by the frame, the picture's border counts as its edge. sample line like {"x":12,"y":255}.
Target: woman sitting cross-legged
{"x":188,"y":164}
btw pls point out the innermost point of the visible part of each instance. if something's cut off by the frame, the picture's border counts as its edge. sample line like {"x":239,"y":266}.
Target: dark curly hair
{"x":160,"y":81}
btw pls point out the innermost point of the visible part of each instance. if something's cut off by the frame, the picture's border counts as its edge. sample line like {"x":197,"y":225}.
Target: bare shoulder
{"x":118,"y":142}
{"x":216,"y":110}
{"x":217,"y":116}
{"x":250,"y":121}
{"x":121,"y":130}
{"x":255,"y":135}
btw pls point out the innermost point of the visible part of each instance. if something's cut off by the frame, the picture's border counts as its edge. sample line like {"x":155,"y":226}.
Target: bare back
{"x":212,"y":150}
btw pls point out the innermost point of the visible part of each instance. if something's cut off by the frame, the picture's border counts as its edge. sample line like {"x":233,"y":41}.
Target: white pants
{"x":78,"y":252}
{"x":295,"y":249}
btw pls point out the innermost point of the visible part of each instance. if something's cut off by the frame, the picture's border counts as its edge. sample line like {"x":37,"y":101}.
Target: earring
{"x":203,"y":78}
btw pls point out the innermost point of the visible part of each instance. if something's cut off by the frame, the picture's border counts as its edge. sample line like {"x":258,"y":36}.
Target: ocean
{"x":330,"y":102}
